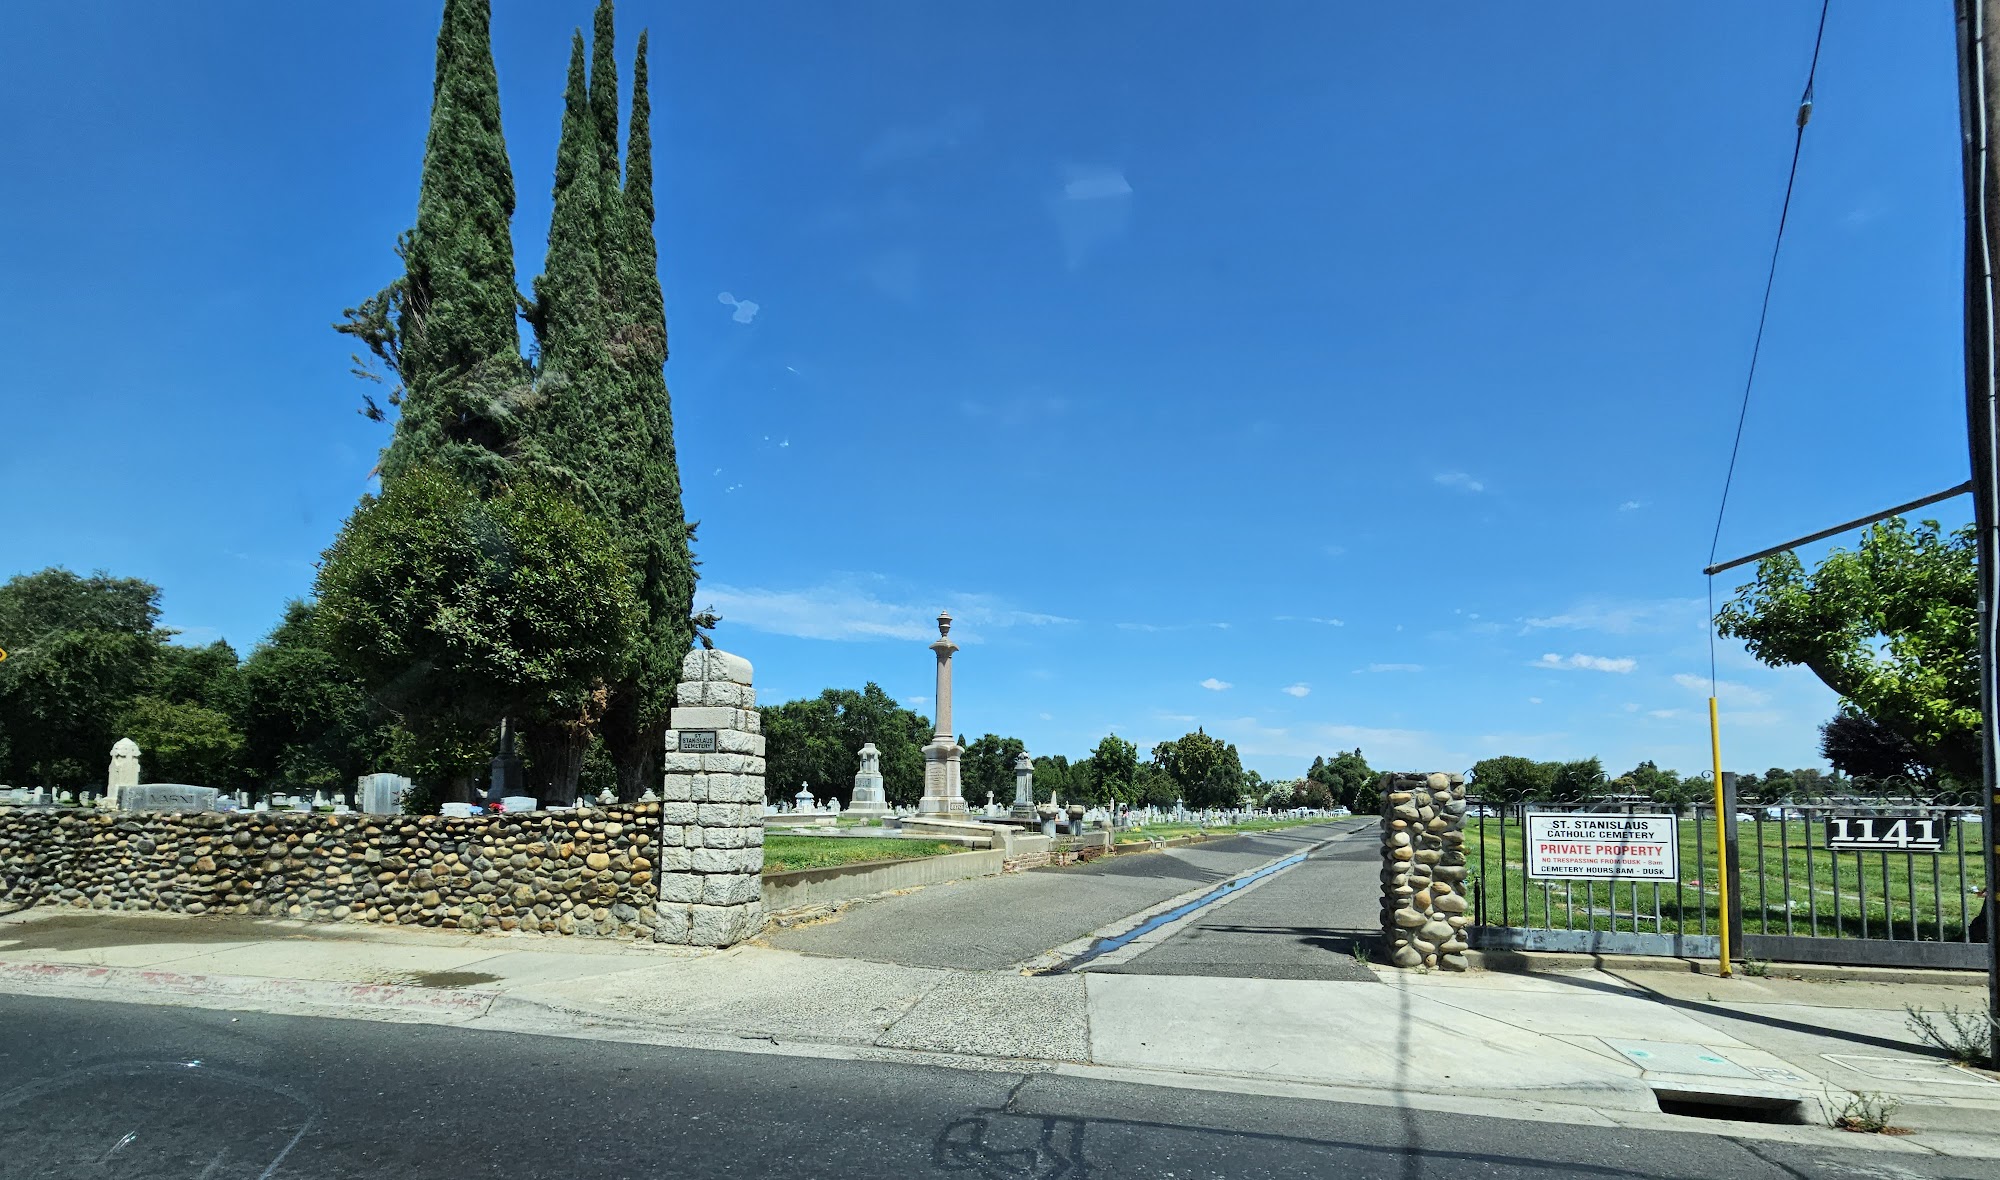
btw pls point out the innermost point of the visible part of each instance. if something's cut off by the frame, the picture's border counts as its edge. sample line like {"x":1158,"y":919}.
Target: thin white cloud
{"x":916,"y":700}
{"x":1665,"y":714}
{"x":1046,"y":716}
{"x":1154,"y":627}
{"x":1324,"y":622}
{"x":1214,"y":685}
{"x":1588,"y":663}
{"x":746,"y":309}
{"x":853,"y":610}
{"x":1459,"y":480}
{"x":1534,"y":700}
{"x":1631,"y":506}
{"x":1183,"y":718}
{"x":1725,"y":690}
{"x":1301,"y":689}
{"x":1624,"y":618}
{"x":1395,"y":667}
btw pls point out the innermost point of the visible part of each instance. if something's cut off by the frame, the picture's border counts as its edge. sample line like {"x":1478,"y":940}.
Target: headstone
{"x":519,"y":803}
{"x":804,"y":799}
{"x":381,"y":794}
{"x":124,"y":768}
{"x":650,"y":796}
{"x":167,"y":797}
{"x":459,"y":810}
{"x":319,"y":801}
{"x":869,"y":800}
{"x":607,"y":797}
{"x":833,"y":806}
{"x":1024,"y":787}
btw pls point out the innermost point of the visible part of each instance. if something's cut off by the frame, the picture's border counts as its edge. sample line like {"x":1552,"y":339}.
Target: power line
{"x":1763,"y":317}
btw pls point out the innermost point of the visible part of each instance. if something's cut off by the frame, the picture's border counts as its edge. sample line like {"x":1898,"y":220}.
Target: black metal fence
{"x":1861,"y":881}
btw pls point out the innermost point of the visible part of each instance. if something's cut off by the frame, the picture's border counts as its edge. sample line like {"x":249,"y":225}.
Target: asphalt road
{"x":114,"y":1091}
{"x":993,"y":922}
{"x":1302,"y":923}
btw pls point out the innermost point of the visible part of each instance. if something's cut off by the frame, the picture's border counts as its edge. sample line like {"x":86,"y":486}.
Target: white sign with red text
{"x":1587,"y":846}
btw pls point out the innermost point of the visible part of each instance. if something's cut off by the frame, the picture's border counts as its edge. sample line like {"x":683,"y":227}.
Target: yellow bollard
{"x":1721,"y":851}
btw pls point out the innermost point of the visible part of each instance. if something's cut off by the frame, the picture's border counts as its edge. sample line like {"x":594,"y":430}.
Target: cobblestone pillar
{"x":1424,"y":912}
{"x":712,"y":811}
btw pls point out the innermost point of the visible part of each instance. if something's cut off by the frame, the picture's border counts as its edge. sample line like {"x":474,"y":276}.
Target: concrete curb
{"x":139,"y":983}
{"x":1556,"y":963}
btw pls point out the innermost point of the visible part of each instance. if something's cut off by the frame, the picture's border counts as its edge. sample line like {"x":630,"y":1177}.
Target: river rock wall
{"x":1424,"y":910}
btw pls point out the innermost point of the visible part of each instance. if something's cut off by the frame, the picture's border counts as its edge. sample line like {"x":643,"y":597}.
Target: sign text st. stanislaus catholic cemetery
{"x":1579,"y":846}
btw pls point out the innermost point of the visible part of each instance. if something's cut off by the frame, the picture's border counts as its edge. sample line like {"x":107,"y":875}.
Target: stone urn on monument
{"x":941,"y":757}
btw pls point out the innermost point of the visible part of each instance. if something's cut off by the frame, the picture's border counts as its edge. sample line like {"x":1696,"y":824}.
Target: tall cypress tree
{"x":658,"y":550}
{"x":450,"y":322}
{"x":573,"y":435}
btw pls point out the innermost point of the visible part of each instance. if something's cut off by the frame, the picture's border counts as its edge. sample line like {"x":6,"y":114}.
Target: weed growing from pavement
{"x":1869,"y":1113}
{"x":1965,"y":1036}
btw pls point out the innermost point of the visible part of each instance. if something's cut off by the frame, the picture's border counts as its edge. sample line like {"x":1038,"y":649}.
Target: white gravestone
{"x":869,"y":801}
{"x":124,"y":768}
{"x":381,"y":794}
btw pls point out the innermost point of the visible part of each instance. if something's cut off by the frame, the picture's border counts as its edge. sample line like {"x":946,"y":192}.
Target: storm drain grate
{"x":1742,"y":1108}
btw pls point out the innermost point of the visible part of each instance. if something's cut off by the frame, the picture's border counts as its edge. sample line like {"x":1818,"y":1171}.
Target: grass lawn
{"x":1169,"y":831}
{"x":782,"y":854}
{"x":1779,"y":876}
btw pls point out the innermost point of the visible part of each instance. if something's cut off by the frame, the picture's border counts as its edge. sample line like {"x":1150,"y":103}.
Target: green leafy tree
{"x":817,"y":741}
{"x":1054,"y":773}
{"x":1206,"y":770}
{"x":187,"y":719}
{"x":1348,"y":780}
{"x":454,"y":610}
{"x":1891,"y":626}
{"x":1578,"y":781}
{"x":79,"y":650}
{"x":1858,"y":745}
{"x":446,"y":329}
{"x":659,"y":538}
{"x":308,"y":722}
{"x":988,"y":765}
{"x":1114,"y":770}
{"x":1154,"y":787}
{"x":181,"y":742}
{"x":1512,"y":779}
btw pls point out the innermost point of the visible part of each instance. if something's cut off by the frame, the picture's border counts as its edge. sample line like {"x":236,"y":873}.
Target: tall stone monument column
{"x":711,"y":859}
{"x":942,"y":796}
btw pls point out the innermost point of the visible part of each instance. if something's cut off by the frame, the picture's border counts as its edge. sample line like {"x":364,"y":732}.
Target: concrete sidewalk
{"x":1587,"y":1046}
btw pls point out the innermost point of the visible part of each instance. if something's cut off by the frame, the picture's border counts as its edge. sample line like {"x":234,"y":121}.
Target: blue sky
{"x":1325,"y":375}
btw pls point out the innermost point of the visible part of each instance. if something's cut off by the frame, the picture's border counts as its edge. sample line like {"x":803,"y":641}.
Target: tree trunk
{"x":634,"y":746}
{"x":555,"y":753}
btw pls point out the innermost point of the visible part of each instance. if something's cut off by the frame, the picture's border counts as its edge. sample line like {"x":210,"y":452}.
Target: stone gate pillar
{"x":711,"y":860}
{"x":1424,"y":912}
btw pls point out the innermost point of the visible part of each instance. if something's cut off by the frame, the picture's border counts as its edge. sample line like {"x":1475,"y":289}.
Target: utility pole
{"x":1979,"y":102}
